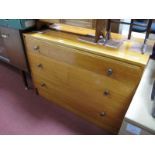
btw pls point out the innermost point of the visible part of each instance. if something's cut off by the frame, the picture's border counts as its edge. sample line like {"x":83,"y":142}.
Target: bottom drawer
{"x":97,"y":114}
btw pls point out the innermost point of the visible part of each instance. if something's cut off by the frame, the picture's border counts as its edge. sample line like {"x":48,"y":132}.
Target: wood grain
{"x":124,"y":53}
{"x":77,"y":79}
{"x":123,"y":72}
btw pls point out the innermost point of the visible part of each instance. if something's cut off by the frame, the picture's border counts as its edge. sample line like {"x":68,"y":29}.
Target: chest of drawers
{"x":89,"y":80}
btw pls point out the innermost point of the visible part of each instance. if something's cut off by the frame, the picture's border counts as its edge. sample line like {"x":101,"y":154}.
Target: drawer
{"x":96,"y":113}
{"x":117,"y":70}
{"x":54,"y":71}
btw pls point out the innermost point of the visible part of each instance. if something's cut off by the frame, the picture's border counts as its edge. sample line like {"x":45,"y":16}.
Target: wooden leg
{"x":36,"y":90}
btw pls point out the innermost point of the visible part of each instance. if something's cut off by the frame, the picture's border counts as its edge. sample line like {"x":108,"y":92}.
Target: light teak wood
{"x":123,"y":54}
{"x":50,"y":20}
{"x":87,"y":61}
{"x":86,"y":23}
{"x":81,"y":89}
{"x":79,"y":80}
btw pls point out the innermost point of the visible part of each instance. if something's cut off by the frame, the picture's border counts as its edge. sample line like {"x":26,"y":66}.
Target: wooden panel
{"x":73,"y":29}
{"x":50,"y":20}
{"x":86,"y":23}
{"x":127,"y":73}
{"x":46,"y":67}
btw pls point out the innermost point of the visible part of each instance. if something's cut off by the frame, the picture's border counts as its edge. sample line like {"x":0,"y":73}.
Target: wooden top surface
{"x":124,"y":53}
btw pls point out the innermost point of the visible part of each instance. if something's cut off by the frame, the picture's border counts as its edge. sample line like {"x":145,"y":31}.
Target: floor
{"x":24,"y":112}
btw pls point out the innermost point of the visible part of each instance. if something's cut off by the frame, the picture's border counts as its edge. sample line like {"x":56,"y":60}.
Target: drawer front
{"x":126,"y":73}
{"x":53,"y":70}
{"x":98,"y":114}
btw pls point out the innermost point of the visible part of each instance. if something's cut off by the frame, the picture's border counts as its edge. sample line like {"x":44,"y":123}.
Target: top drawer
{"x":128,"y":73}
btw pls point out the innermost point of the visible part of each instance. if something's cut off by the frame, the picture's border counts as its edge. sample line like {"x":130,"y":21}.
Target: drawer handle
{"x":102,"y":114}
{"x":106,"y":92}
{"x":109,"y":72}
{"x":40,"y":66}
{"x":4,"y":36}
{"x":43,"y":84}
{"x":36,"y":48}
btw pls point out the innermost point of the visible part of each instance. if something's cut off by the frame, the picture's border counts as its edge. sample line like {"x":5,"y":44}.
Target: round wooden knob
{"x":109,"y":72}
{"x":40,"y":66}
{"x":106,"y":92}
{"x":36,"y":47}
{"x":102,"y":114}
{"x":43,"y":84}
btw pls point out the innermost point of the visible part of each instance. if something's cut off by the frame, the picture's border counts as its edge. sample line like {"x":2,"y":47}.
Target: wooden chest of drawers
{"x":84,"y":78}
